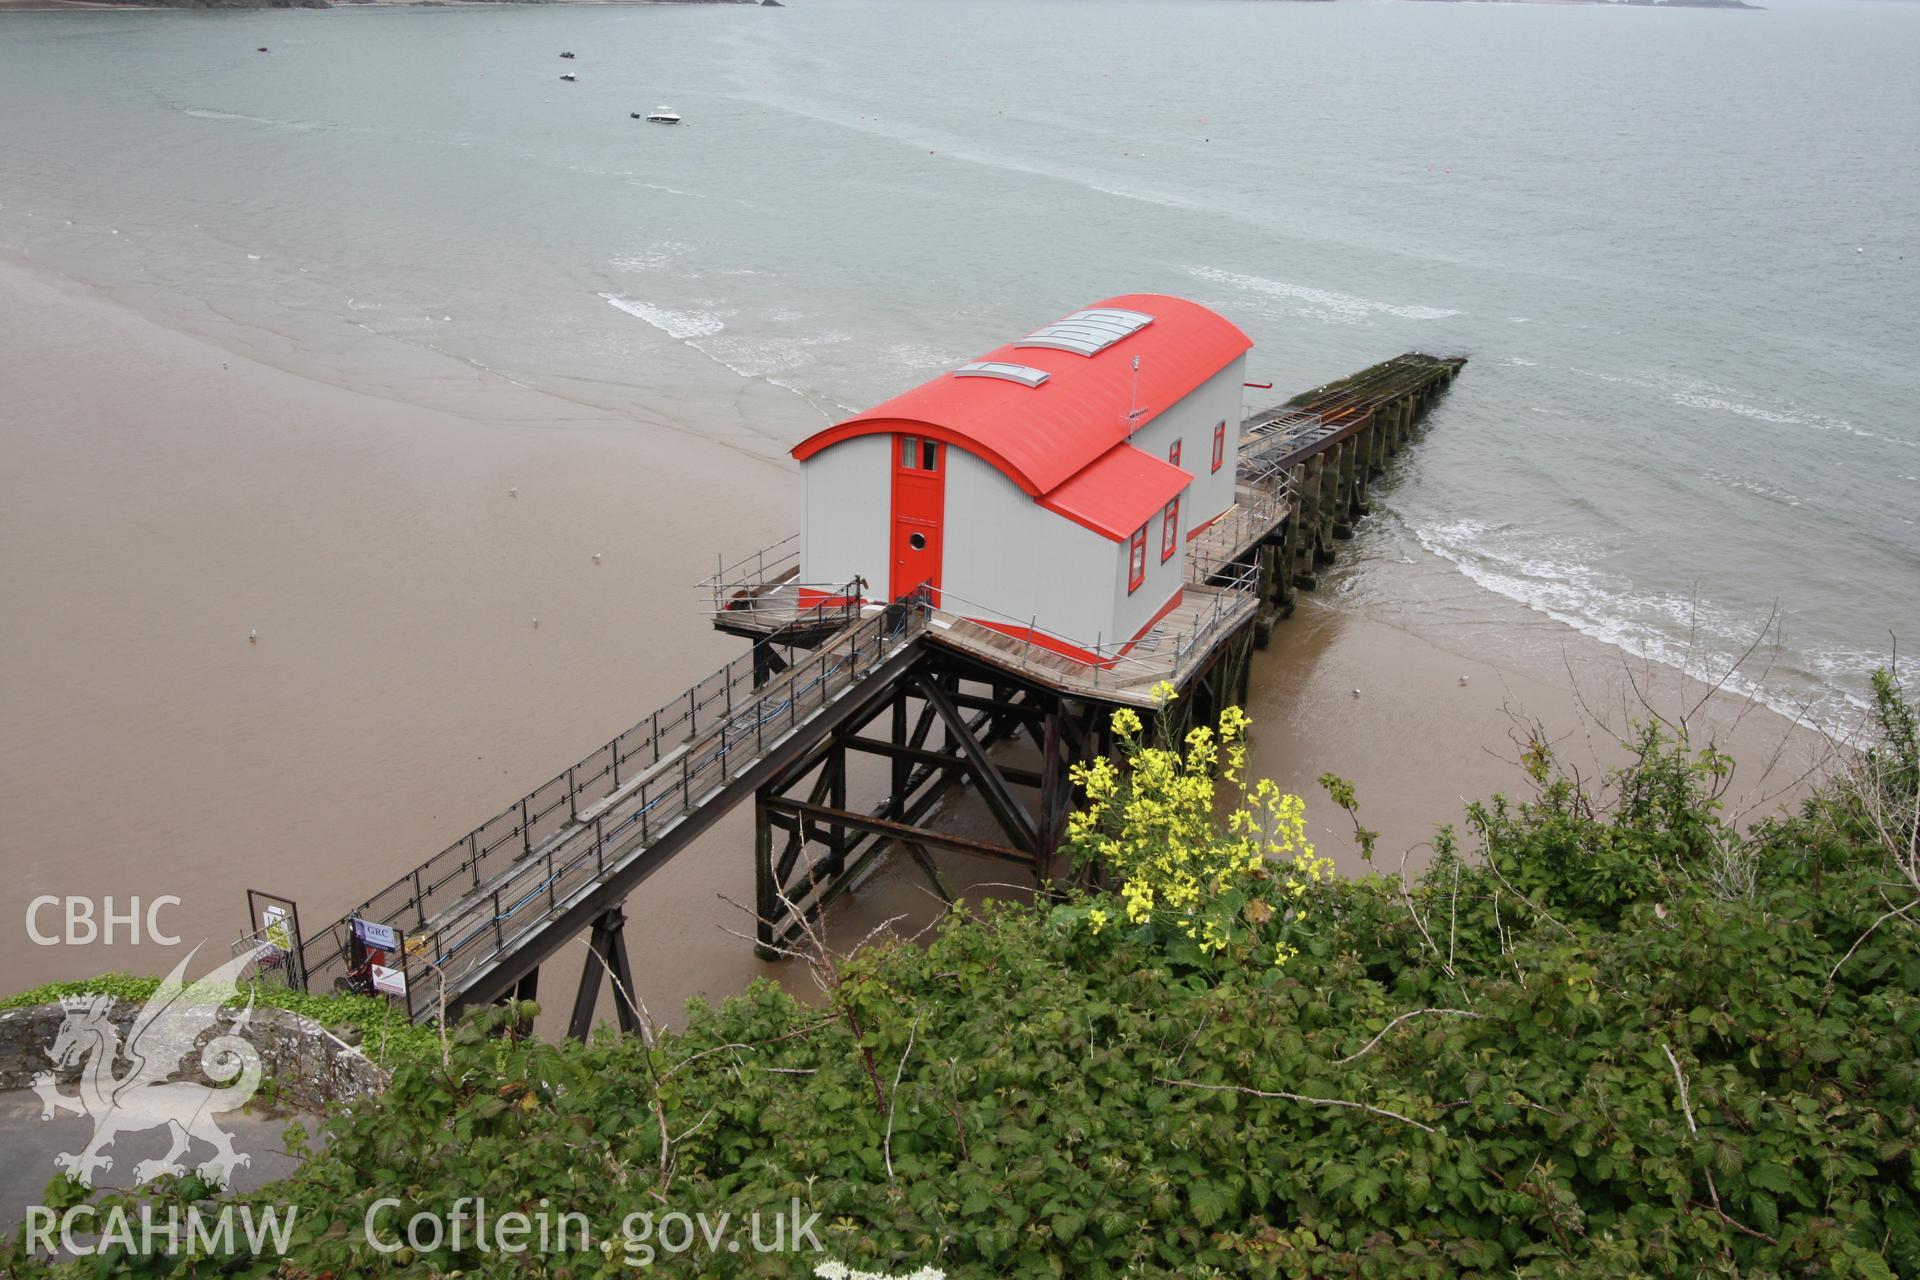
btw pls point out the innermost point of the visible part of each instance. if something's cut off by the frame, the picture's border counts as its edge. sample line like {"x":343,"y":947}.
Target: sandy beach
{"x":166,"y":496}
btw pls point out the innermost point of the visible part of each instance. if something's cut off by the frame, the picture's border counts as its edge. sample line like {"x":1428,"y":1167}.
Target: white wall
{"x":1130,"y":612}
{"x":846,"y":511}
{"x":1192,"y":419}
{"x":1007,"y":552}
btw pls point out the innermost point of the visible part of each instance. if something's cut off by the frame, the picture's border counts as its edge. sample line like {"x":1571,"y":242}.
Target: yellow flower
{"x":1139,"y":901}
{"x":1163,"y":693}
{"x":1152,"y":821}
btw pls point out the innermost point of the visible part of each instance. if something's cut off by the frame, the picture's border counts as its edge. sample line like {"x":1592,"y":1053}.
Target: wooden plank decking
{"x":1179,"y":643}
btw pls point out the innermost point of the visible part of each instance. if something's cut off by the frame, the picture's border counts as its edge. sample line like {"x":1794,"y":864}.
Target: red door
{"x":919,"y":501}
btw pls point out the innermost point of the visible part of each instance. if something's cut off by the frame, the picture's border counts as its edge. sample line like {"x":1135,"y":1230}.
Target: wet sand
{"x":1419,"y":744}
{"x":164,"y":495}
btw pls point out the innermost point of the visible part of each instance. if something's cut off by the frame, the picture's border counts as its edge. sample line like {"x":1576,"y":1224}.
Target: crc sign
{"x":82,"y":922}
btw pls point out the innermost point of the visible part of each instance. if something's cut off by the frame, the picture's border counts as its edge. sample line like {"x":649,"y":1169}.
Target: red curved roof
{"x":1043,"y":436}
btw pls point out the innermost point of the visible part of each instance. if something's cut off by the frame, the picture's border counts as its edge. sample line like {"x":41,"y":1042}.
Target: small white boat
{"x":569,"y":76}
{"x":661,"y":115}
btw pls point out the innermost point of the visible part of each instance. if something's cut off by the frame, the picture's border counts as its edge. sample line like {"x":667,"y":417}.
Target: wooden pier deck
{"x":1184,"y":641}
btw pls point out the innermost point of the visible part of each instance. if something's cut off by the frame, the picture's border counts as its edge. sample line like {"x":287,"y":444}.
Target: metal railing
{"x":463,"y":906}
{"x":736,"y":585}
{"x":789,"y":605}
{"x":1265,"y":497}
{"x":1280,"y":428}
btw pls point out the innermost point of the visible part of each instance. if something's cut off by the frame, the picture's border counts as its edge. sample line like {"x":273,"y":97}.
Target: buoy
{"x":1463,"y":682}
{"x":596,"y":557}
{"x":1860,"y":249}
{"x":253,"y":637}
{"x":1356,"y":693}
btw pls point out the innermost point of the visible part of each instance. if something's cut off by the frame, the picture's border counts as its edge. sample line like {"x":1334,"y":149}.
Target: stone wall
{"x":304,"y":1066}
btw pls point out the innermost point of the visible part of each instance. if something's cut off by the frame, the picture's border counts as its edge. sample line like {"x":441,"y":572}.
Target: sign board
{"x":391,"y":982}
{"x":274,"y":927}
{"x":383,"y":937}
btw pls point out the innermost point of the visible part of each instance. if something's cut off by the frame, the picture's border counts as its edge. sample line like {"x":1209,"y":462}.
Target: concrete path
{"x":28,"y":1145}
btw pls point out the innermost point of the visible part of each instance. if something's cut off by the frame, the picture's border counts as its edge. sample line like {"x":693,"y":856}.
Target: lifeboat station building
{"x":1046,"y":490}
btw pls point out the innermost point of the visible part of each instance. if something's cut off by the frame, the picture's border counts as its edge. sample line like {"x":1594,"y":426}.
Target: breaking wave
{"x":682,"y":326}
{"x":1686,"y":633}
{"x":1321,"y":304}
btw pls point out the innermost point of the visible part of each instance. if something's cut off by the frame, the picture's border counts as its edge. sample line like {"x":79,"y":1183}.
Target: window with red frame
{"x":1173,"y":453}
{"x":1137,"y":560}
{"x":1220,"y":444}
{"x":1170,"y":531}
{"x":917,"y":454}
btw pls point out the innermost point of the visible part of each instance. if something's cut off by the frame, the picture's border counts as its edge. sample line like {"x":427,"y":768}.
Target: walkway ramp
{"x":489,"y":907}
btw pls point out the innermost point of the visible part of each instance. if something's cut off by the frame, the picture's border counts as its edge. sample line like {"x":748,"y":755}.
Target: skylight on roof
{"x":1089,"y":332}
{"x":1025,"y":375}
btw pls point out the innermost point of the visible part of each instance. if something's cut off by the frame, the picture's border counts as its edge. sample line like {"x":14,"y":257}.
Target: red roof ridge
{"x":1043,"y":437}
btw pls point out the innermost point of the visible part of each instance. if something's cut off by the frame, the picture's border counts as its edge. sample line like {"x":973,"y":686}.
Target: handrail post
{"x":656,"y":737}
{"x":499,"y":941}
{"x":526,"y":827}
{"x":599,"y":845}
{"x":552,"y":902}
{"x":473,"y":855}
{"x":573,"y":797}
{"x":419,"y":899}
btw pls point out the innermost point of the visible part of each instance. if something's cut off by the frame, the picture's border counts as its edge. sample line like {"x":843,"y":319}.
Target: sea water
{"x":1681,"y":248}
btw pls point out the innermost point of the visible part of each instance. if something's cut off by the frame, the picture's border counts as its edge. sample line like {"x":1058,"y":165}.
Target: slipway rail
{"x":530,"y":877}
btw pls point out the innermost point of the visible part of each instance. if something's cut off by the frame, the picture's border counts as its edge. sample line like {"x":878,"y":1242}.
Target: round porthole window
{"x":918,"y":541}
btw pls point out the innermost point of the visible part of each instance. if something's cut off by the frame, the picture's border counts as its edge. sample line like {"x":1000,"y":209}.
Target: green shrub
{"x":1579,"y":1048}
